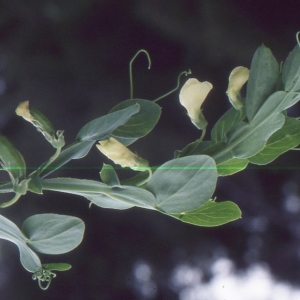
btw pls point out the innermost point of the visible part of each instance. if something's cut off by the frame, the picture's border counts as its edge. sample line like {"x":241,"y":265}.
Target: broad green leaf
{"x":281,"y":141}
{"x":104,"y":201}
{"x":29,"y":259}
{"x":232,"y":166}
{"x":53,"y":233}
{"x":119,"y":196}
{"x":183,"y":184}
{"x":247,"y":139}
{"x":9,"y":231}
{"x":291,"y":71}
{"x":138,"y":125}
{"x":109,"y":176}
{"x":263,"y":79}
{"x":212,"y":214}
{"x":74,"y":151}
{"x":100,"y":128}
{"x":12,"y":160}
{"x":225,"y":123}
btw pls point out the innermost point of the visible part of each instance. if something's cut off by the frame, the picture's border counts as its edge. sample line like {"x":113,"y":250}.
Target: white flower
{"x":237,"y":78}
{"x":23,"y":111}
{"x":120,"y":154}
{"x":192,"y":95}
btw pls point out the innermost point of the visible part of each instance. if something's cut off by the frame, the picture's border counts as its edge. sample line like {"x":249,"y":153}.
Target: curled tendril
{"x":177,"y":86}
{"x":130,"y":68}
{"x":43,"y":276}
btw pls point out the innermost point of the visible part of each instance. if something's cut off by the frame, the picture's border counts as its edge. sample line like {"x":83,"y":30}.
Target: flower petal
{"x":192,"y":95}
{"x":237,"y":78}
{"x":120,"y":154}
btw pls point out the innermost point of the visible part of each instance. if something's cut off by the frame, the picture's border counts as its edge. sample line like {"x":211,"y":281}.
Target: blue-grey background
{"x":70,"y":59}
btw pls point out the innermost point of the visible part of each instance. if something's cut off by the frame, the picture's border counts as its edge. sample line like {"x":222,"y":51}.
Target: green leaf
{"x":225,"y":123}
{"x":232,"y":166}
{"x":183,"y":184}
{"x":9,"y":231}
{"x":74,"y":151}
{"x":104,"y":201}
{"x":138,"y":125}
{"x":57,"y":267}
{"x":248,"y":139}
{"x":211,"y":214}
{"x":109,"y":176}
{"x":263,"y":79}
{"x":12,"y":160}
{"x":100,"y":128}
{"x":281,"y":141}
{"x":124,"y":196}
{"x":53,"y":233}
{"x":291,"y":71}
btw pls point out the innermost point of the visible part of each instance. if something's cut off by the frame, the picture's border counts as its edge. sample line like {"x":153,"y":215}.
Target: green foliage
{"x":286,"y":138}
{"x":183,"y":184}
{"x":181,"y":188}
{"x":139,"y":124}
{"x":52,"y":233}
{"x":263,"y":80}
{"x":211,"y":214}
{"x":100,"y":128}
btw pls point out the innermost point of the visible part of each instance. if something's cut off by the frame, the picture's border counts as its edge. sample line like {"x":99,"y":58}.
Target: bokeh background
{"x":70,"y":59}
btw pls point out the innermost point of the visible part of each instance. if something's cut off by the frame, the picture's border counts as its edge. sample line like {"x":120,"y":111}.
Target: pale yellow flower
{"x":120,"y":154}
{"x":238,"y":77}
{"x":192,"y":95}
{"x":23,"y":111}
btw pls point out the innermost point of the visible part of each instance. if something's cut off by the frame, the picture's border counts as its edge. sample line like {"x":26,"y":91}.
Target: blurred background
{"x":70,"y":59}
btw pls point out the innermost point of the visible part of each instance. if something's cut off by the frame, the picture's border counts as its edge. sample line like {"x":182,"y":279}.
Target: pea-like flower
{"x":237,"y":78}
{"x":121,"y":155}
{"x":191,"y":96}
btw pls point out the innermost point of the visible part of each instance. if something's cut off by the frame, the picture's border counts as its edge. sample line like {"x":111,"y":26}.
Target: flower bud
{"x":41,"y":123}
{"x":238,"y":77}
{"x":121,"y":155}
{"x":191,"y":96}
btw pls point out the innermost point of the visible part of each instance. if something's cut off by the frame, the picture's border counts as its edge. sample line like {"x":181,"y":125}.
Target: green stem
{"x":10,"y":202}
{"x":202,"y":135}
{"x":47,"y":163}
{"x":148,"y":178}
{"x":130,"y":68}
{"x":177,"y":86}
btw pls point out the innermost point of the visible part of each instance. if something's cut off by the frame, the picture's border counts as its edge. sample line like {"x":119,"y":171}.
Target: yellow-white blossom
{"x":41,"y":123}
{"x":121,"y":155}
{"x":191,"y":96}
{"x":23,"y":111}
{"x":237,"y":78}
